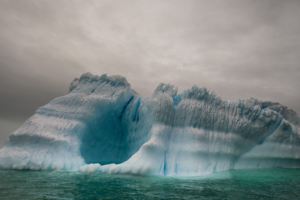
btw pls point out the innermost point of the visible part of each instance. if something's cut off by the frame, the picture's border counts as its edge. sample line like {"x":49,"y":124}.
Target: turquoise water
{"x":258,"y":184}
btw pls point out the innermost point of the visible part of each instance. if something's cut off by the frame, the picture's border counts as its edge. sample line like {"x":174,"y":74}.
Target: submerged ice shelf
{"x":104,"y":125}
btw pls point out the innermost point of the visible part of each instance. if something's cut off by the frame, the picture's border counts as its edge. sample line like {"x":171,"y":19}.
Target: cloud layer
{"x":238,"y":49}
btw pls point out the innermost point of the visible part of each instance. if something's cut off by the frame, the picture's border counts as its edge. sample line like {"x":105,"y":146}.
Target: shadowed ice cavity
{"x":103,"y":125}
{"x":118,"y":125}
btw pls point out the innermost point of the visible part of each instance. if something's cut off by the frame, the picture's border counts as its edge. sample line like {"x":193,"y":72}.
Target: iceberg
{"x":103,"y":125}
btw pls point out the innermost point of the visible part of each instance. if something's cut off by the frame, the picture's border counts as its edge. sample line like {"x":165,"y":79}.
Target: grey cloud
{"x":238,"y":49}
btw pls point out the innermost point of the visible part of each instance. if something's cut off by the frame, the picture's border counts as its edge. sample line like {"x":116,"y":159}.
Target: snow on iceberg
{"x":104,"y":125}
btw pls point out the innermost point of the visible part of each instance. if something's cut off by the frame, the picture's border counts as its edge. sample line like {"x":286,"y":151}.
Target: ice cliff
{"x":104,"y":125}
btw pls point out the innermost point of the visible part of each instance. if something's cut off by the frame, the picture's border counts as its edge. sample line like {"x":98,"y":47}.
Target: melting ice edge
{"x":103,"y":125}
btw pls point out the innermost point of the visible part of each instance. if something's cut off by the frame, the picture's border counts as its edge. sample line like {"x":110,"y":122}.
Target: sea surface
{"x":245,"y":184}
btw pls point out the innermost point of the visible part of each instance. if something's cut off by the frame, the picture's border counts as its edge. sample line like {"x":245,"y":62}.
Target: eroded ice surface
{"x":104,"y":125}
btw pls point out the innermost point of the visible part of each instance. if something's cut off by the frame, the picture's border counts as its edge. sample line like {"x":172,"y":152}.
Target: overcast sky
{"x":238,"y":49}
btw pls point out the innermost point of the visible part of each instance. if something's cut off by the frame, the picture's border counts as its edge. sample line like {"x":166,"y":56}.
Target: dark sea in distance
{"x":244,"y":184}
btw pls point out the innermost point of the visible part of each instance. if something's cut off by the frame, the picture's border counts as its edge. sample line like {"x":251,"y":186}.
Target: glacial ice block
{"x":104,"y":125}
{"x":90,"y":124}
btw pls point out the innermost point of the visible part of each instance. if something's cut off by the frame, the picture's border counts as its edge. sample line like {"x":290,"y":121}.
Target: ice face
{"x":104,"y":125}
{"x":91,"y":124}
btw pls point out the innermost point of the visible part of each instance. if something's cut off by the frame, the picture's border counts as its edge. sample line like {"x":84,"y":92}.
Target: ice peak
{"x":88,"y":78}
{"x":167,"y":89}
{"x":201,"y":94}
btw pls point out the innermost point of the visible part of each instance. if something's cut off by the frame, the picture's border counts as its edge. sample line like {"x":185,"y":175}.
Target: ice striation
{"x":103,"y":125}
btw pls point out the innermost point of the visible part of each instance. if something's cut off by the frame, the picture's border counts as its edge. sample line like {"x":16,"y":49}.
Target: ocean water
{"x":244,"y":184}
